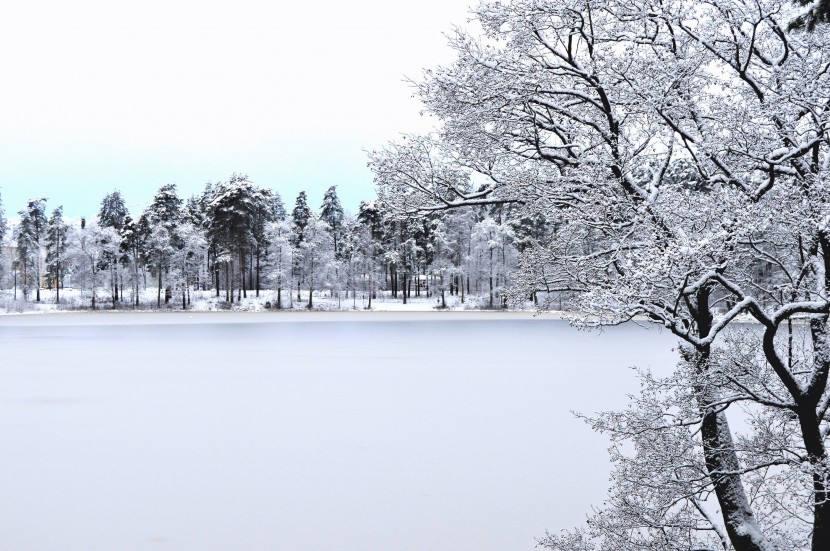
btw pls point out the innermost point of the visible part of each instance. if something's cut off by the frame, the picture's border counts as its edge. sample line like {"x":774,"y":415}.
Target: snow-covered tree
{"x":30,"y":235}
{"x":159,"y":221}
{"x":112,"y":214}
{"x":113,"y":211}
{"x":370,"y":217}
{"x":491,"y":242}
{"x":280,"y":237}
{"x":331,"y":212}
{"x":134,"y":250}
{"x":238,"y":213}
{"x":56,"y":231}
{"x":300,"y":216}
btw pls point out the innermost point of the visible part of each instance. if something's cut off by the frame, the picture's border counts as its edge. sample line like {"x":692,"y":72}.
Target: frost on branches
{"x":682,"y":150}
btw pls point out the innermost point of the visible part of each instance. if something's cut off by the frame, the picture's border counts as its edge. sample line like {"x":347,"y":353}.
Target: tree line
{"x":237,"y":238}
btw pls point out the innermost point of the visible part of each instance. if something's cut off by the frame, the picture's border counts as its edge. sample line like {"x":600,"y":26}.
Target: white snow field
{"x":305,"y":431}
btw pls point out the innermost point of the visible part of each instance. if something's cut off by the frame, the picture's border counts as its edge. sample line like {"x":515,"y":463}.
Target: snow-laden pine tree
{"x":55,"y":243}
{"x":159,"y":222}
{"x":280,"y":238}
{"x":331,"y":212}
{"x":371,"y":218}
{"x":278,"y":207}
{"x":300,"y":216}
{"x":582,"y":112}
{"x":237,"y":215}
{"x":186,"y":259}
{"x":133,"y":248}
{"x":30,"y":235}
{"x":112,"y":214}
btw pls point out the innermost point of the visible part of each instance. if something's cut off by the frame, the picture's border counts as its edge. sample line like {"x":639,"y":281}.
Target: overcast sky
{"x":131,"y":95}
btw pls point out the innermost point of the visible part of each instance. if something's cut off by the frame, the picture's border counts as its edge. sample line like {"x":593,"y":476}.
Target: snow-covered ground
{"x":313,"y":431}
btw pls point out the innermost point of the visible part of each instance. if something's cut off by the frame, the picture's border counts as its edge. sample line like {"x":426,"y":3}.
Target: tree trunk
{"x":243,"y":292}
{"x":257,"y":270}
{"x":228,"y":289}
{"x":216,"y":275}
{"x":722,"y":464}
{"x":812,"y":435}
{"x":93,"y":287}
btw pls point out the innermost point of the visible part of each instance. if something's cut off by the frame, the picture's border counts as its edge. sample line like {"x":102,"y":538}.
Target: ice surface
{"x":304,"y":432}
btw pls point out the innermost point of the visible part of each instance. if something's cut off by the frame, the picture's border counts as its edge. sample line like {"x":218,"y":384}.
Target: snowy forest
{"x":237,"y":239}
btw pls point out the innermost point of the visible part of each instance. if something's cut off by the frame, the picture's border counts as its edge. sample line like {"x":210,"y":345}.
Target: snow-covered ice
{"x":304,"y":431}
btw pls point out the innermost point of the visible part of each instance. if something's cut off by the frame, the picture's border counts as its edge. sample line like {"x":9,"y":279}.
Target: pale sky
{"x":130,"y":95}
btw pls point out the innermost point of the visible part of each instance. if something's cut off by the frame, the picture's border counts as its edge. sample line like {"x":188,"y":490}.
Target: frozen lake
{"x":304,"y":432}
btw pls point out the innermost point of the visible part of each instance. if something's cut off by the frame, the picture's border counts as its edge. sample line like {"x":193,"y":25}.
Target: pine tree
{"x":113,"y":211}
{"x":160,"y":221}
{"x":56,"y":250}
{"x":232,"y":212}
{"x":331,"y":212}
{"x":112,"y":214}
{"x":300,"y":216}
{"x":278,"y":207}
{"x":30,"y":236}
{"x":133,"y":247}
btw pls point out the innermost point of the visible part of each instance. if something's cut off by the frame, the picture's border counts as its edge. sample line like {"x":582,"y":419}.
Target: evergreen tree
{"x":113,"y":211}
{"x":112,"y":214}
{"x":159,"y":222}
{"x":279,"y":212}
{"x":264,"y":212}
{"x":166,"y":208}
{"x":331,"y":212}
{"x":300,"y":216}
{"x":237,"y":215}
{"x":30,"y":236}
{"x":56,"y":250}
{"x":133,"y":247}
